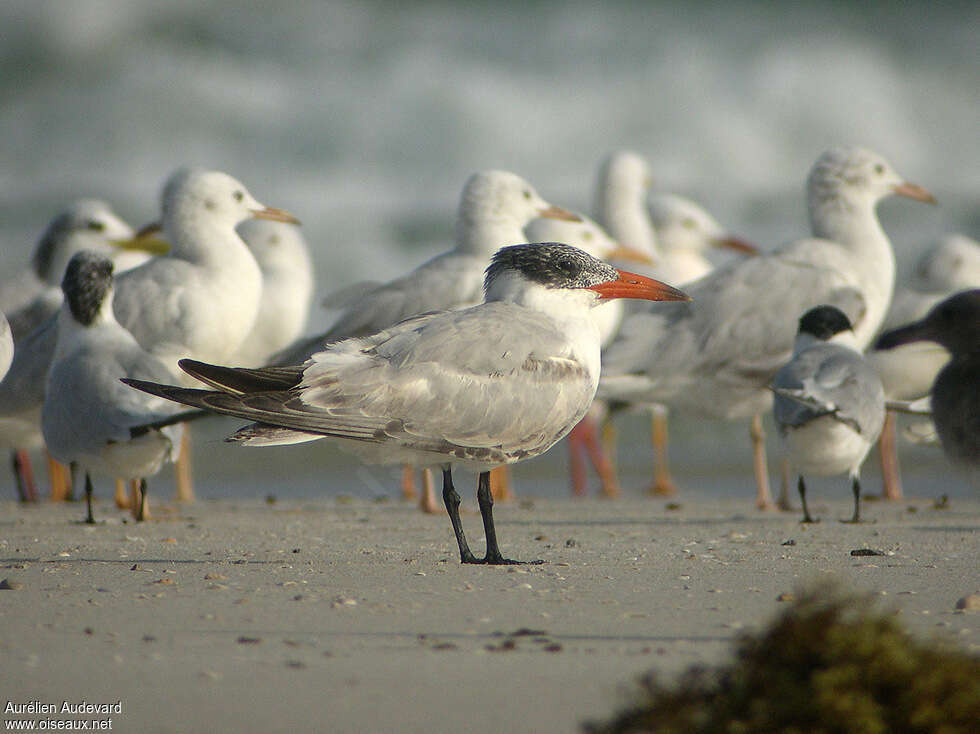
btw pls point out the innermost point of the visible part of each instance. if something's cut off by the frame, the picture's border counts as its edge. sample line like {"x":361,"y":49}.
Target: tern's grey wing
{"x":496,"y":375}
{"x":829,"y":379}
{"x":23,"y":387}
{"x":494,"y":383}
{"x":739,"y":328}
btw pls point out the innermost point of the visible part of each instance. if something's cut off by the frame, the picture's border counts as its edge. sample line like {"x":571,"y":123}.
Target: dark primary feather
{"x":243,"y":379}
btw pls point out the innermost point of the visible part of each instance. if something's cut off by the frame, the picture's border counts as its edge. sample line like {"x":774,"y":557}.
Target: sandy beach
{"x":348,"y":615}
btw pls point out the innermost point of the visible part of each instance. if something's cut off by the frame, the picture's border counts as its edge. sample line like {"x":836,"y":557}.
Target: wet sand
{"x":356,"y":616}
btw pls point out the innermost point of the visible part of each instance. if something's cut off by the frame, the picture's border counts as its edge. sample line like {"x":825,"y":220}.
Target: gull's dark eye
{"x":879,"y":169}
{"x":239,"y":196}
{"x":527,"y":194}
{"x":689,"y":223}
{"x":95,"y":225}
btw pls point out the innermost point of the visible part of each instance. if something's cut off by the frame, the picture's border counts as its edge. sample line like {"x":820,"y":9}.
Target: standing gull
{"x":202,"y":298}
{"x":479,"y":387}
{"x":716,"y":356}
{"x":829,"y":403}
{"x":955,"y":324}
{"x":89,"y":416}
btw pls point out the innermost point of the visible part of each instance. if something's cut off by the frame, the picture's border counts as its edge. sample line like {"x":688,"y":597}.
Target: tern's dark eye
{"x":95,"y":225}
{"x":239,"y":196}
{"x":879,"y":169}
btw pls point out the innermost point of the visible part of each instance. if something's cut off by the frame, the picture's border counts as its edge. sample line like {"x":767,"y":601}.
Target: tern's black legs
{"x":856,"y":488}
{"x":89,"y":518}
{"x":141,"y":516}
{"x":451,"y":497}
{"x":485,"y":499}
{"x":801,"y":486}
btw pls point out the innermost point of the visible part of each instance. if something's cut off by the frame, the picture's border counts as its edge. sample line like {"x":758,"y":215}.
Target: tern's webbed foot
{"x":495,"y":559}
{"x":468,"y":557}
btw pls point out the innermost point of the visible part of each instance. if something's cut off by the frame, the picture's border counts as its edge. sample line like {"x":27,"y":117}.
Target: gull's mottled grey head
{"x":87,"y":281}
{"x":851,"y":170}
{"x":86,"y":223}
{"x":551,"y":264}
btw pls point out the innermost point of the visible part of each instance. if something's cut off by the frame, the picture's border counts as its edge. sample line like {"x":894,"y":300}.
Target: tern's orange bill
{"x":631,"y":285}
{"x":914,"y":191}
{"x":276,"y":215}
{"x":556,"y":212}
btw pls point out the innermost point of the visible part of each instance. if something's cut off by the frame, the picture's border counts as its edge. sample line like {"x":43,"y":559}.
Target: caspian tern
{"x":955,"y":324}
{"x":716,"y":357}
{"x":829,"y":403}
{"x":89,"y":417}
{"x":479,"y":387}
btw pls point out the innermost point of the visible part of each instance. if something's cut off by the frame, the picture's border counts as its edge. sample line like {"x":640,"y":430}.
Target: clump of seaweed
{"x":829,"y":664}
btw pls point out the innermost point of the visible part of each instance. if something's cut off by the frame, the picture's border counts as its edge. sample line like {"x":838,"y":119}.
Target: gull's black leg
{"x":485,"y":498}
{"x":801,"y":486}
{"x":451,"y":497}
{"x":856,"y":488}
{"x":90,"y":519}
{"x":141,"y":515}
